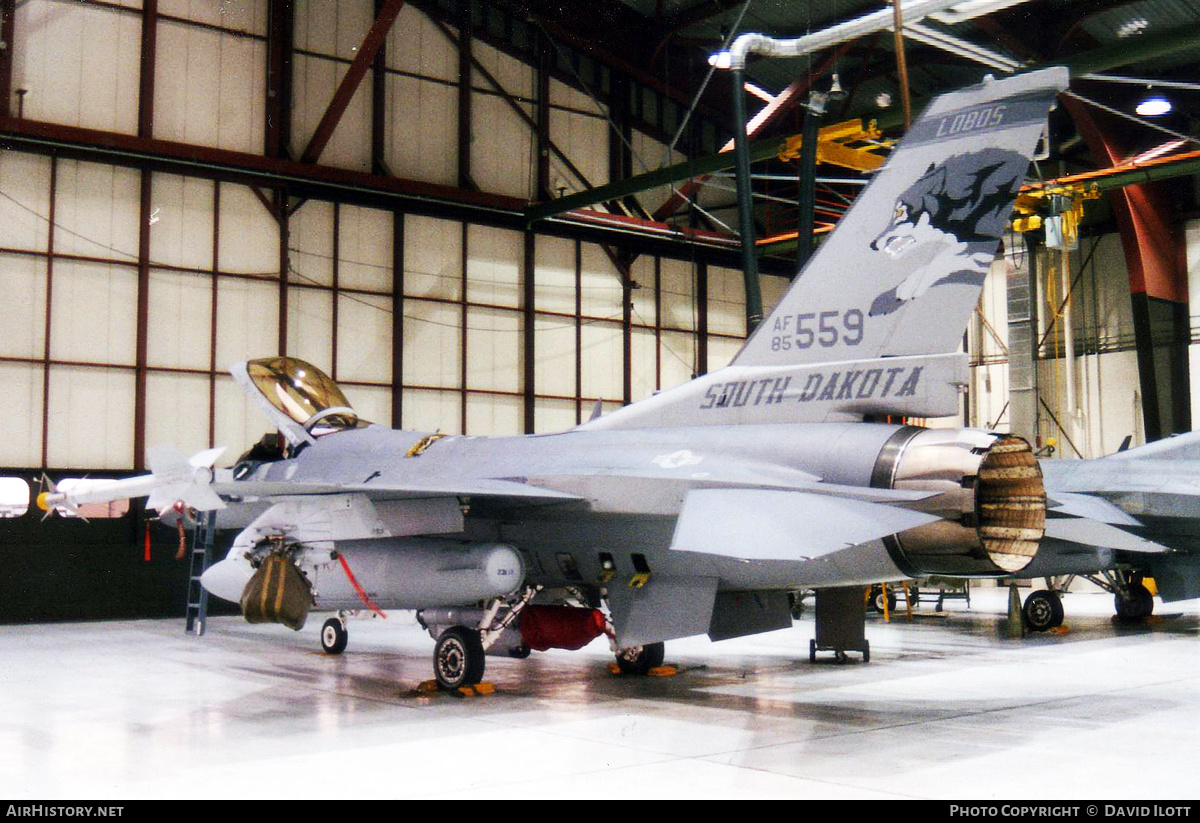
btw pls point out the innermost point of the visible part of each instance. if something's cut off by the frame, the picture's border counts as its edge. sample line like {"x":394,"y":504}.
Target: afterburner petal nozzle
{"x":990,"y":500}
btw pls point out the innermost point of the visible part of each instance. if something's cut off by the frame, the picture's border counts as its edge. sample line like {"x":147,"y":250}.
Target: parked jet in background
{"x":1118,"y":519}
{"x":698,"y":509}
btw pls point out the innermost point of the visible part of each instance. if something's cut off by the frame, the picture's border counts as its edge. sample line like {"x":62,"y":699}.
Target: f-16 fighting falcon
{"x":1116,"y":520}
{"x":694,"y":511}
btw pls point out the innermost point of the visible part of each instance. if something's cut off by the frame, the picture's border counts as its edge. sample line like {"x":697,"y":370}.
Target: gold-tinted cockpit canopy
{"x":304,"y":393}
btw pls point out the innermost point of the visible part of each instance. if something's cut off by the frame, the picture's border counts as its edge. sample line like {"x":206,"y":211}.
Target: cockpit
{"x":302,"y":400}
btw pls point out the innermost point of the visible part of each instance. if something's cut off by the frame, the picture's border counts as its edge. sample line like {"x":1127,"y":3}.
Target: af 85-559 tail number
{"x":825,"y":328}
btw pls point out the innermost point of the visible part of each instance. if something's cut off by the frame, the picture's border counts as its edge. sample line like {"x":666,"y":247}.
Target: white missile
{"x":173,"y":478}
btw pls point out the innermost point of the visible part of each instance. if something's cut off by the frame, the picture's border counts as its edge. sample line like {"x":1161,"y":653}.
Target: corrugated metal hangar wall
{"x":129,"y":290}
{"x":77,"y":360}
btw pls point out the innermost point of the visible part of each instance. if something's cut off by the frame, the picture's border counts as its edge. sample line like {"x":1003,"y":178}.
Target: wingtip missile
{"x":173,"y":479}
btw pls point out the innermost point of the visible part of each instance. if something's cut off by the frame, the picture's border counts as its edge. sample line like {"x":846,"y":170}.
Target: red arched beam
{"x":1152,"y":237}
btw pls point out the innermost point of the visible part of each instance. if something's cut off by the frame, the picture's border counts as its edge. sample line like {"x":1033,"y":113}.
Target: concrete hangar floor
{"x":947,"y":708}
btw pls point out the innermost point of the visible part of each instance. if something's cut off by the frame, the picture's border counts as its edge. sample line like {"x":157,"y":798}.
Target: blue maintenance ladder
{"x":201,"y":558}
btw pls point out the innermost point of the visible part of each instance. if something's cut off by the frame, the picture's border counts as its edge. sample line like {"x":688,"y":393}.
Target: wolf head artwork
{"x":956,"y":210}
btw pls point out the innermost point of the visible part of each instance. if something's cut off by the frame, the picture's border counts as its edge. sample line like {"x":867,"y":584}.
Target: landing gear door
{"x":664,"y":609}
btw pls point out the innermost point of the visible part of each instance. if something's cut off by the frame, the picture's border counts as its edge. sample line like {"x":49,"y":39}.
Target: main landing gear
{"x":1131,"y":598}
{"x":458,"y":658}
{"x":640,"y":660}
{"x":512,"y":628}
{"x":1043,"y":610}
{"x":509,"y":627}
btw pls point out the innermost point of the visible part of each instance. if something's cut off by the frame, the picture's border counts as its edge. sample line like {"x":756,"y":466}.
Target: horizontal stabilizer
{"x":1093,"y":508}
{"x":1184,"y":446}
{"x":763,"y":524}
{"x":1094,"y":533}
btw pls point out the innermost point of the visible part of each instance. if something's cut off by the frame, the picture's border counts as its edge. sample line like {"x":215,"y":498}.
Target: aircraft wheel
{"x":641,"y":659}
{"x":878,"y":600}
{"x":1043,"y":610}
{"x":1138,"y":605}
{"x":334,"y":636}
{"x":458,"y":658}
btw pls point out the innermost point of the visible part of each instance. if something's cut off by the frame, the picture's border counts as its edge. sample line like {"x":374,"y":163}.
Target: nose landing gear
{"x":334,"y":636}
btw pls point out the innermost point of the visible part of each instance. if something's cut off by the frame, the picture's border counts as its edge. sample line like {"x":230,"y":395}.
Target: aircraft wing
{"x":766,"y":524}
{"x":509,"y":489}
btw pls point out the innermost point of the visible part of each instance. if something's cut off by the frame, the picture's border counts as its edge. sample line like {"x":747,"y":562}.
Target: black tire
{"x":877,"y":599}
{"x":1043,"y":610}
{"x":458,"y":658}
{"x":334,"y":636}
{"x":1139,"y":605}
{"x":641,"y":659}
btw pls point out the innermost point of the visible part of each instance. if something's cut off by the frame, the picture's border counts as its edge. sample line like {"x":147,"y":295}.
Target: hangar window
{"x":14,"y":497}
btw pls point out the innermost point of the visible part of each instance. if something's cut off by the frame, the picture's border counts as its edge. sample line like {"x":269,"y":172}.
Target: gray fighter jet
{"x":693,"y":511}
{"x":1117,"y":520}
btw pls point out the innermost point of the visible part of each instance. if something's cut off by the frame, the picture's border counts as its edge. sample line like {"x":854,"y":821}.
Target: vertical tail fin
{"x":871,"y":324}
{"x":903,"y":271}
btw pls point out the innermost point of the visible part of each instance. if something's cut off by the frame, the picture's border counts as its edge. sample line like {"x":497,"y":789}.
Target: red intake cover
{"x":559,"y":627}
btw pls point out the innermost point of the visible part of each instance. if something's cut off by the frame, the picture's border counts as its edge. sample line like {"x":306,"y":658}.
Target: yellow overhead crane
{"x":850,"y":144}
{"x":836,"y":145}
{"x":1035,"y":204}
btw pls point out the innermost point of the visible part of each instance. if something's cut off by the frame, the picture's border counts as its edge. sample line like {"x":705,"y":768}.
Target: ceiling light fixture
{"x":1132,"y":27}
{"x":1153,"y":107}
{"x":720,"y":60}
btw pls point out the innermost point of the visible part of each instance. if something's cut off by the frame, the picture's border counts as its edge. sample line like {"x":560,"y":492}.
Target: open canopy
{"x":304,"y":393}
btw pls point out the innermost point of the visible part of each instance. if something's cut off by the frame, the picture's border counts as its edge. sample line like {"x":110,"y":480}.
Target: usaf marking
{"x":854,"y":384}
{"x":825,"y":328}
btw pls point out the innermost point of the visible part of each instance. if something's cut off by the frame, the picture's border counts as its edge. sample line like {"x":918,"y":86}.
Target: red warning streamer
{"x":359,"y":589}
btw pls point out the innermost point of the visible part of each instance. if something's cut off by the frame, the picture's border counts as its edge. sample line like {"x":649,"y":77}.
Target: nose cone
{"x":227,"y":579}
